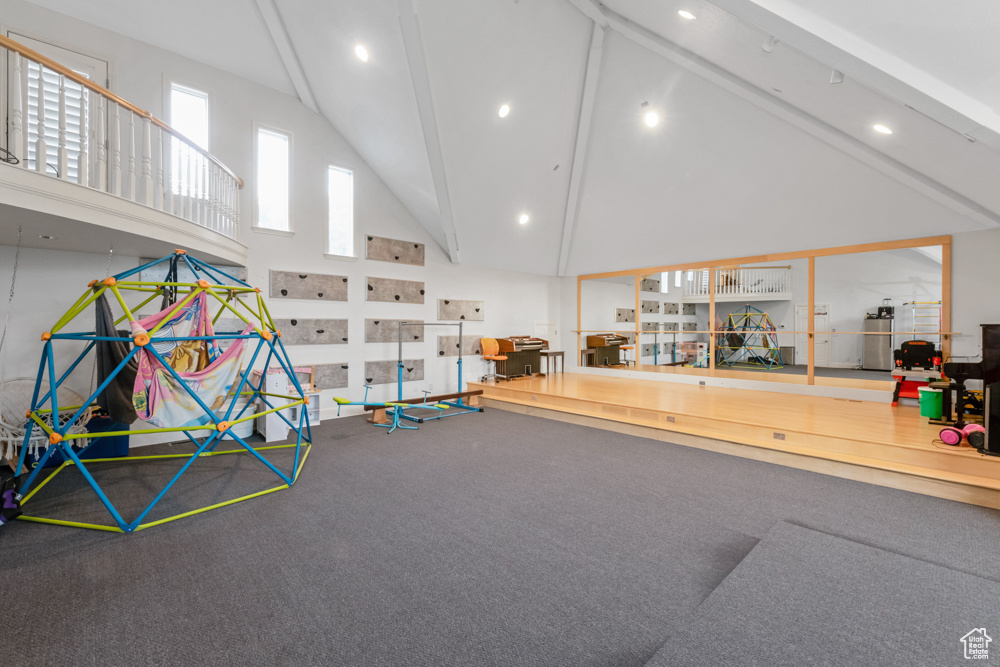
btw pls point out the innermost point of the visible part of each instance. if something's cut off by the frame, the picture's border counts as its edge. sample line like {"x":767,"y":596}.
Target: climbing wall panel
{"x":624,"y":314}
{"x":391,"y":250}
{"x":387,"y":331}
{"x":330,"y":376}
{"x":448,"y":346}
{"x":393,"y":290}
{"x":454,"y":309}
{"x":384,"y":372}
{"x":296,"y":331}
{"x":292,"y":285}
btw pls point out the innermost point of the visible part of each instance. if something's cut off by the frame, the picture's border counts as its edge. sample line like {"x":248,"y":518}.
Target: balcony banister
{"x":48,"y":63}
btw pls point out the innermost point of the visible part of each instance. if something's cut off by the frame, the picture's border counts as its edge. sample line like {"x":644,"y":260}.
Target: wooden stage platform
{"x":867,"y":441}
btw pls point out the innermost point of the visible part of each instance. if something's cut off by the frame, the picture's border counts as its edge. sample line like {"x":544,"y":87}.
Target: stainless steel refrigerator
{"x":877,"y":355}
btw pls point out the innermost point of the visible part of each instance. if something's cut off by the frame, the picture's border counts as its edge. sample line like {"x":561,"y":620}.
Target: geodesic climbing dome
{"x":748,"y":338}
{"x":170,"y":369}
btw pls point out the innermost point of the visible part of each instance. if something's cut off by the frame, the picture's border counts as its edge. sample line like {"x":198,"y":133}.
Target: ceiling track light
{"x":685,"y":14}
{"x":768,"y":46}
{"x":836,"y":77}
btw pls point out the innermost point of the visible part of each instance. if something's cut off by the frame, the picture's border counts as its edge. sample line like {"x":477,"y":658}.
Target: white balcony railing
{"x":64,"y":125}
{"x":764,"y":283}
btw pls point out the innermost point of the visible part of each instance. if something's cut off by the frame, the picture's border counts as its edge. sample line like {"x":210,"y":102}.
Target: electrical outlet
{"x":701,"y":383}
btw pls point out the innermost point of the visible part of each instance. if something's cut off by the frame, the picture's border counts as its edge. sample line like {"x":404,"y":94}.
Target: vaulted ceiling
{"x":759,"y":149}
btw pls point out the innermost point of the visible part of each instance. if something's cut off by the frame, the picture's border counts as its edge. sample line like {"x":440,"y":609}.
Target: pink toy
{"x":951,"y":436}
{"x":975,"y":433}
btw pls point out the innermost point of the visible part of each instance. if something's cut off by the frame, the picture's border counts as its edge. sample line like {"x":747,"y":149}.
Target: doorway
{"x":822,"y":350}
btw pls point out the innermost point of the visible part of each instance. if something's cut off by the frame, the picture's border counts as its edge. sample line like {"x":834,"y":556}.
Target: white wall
{"x":49,"y":282}
{"x":600,"y":298}
{"x":974,"y":293}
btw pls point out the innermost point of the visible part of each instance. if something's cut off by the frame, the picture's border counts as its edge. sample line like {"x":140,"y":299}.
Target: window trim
{"x":168,"y":85}
{"x":254,"y":226}
{"x":354,"y":213}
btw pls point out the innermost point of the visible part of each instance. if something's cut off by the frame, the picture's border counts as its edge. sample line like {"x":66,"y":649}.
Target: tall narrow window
{"x":273,"y":180}
{"x":42,"y":94}
{"x":189,"y":113}
{"x":340,"y":189}
{"x":189,"y":116}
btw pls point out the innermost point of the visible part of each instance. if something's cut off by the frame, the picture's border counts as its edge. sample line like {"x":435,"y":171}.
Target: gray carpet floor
{"x":486,"y":539}
{"x":802,"y":597}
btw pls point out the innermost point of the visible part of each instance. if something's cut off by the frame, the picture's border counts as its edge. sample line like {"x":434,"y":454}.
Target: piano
{"x":523,"y":354}
{"x":987,"y":370}
{"x":608,"y":348}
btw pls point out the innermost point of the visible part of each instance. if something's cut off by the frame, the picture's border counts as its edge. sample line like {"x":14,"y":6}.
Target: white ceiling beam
{"x":810,"y":124}
{"x":866,"y":63}
{"x":276,"y":27}
{"x":585,"y":115}
{"x":417,"y":59}
{"x":592,"y":10}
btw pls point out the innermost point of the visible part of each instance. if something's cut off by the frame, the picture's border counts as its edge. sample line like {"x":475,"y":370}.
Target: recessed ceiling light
{"x":361,"y":52}
{"x":651,"y":118}
{"x":882,"y":129}
{"x":685,"y":14}
{"x":46,"y":237}
{"x":523,"y":219}
{"x":504,"y":110}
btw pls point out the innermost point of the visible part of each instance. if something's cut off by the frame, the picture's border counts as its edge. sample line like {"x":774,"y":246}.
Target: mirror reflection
{"x":868,"y":306}
{"x":874,"y":305}
{"x":608,"y":321}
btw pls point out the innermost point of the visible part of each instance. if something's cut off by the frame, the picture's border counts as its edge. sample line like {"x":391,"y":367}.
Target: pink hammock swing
{"x":208,"y":372}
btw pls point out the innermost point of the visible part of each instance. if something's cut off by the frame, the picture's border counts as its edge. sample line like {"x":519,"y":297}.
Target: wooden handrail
{"x":30,"y":54}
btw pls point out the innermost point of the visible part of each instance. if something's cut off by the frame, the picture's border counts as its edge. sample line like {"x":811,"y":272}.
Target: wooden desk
{"x":557,"y":354}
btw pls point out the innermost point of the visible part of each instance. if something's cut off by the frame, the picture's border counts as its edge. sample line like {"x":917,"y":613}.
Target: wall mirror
{"x":750,"y":318}
{"x":868,"y":304}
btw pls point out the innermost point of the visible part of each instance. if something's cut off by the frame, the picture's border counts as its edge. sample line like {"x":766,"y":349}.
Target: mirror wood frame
{"x":713,"y":265}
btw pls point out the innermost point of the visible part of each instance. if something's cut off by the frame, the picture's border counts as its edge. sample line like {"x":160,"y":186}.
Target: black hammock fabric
{"x":117,"y":396}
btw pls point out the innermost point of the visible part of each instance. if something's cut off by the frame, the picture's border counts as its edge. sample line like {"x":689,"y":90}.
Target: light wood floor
{"x":763,"y":376}
{"x":853,"y":433}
